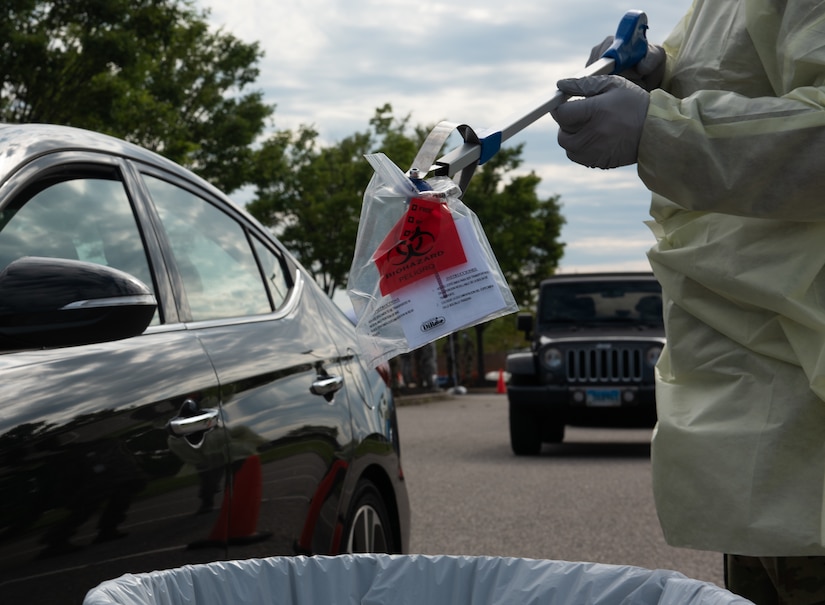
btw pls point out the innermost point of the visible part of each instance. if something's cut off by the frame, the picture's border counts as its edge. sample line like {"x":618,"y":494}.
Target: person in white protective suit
{"x":728,"y":131}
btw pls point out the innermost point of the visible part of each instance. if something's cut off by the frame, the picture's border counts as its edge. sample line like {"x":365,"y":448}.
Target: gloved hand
{"x":647,"y":73}
{"x":602,"y":130}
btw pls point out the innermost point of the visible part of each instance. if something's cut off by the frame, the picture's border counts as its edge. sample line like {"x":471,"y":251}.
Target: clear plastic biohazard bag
{"x":423,"y":267}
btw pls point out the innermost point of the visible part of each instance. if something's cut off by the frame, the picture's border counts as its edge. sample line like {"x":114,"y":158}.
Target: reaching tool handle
{"x":629,"y":47}
{"x":630,"y":42}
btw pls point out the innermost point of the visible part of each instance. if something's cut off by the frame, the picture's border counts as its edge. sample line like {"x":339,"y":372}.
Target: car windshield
{"x":631,"y":301}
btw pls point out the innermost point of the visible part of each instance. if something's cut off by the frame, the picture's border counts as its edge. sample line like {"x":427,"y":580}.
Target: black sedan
{"x":175,"y":387}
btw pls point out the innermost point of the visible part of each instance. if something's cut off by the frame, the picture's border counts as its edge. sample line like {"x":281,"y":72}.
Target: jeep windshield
{"x":585,"y":302}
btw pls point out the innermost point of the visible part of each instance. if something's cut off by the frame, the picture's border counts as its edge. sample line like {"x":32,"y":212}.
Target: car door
{"x":112,"y":455}
{"x":281,"y":377}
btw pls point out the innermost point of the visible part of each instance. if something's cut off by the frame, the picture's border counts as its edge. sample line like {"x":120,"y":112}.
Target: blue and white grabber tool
{"x":629,"y":47}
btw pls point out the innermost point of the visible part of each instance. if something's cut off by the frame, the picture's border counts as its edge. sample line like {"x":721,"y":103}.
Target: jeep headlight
{"x":551,"y":359}
{"x":652,"y":355}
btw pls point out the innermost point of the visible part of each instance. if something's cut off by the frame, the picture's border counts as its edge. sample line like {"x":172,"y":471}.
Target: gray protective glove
{"x":647,"y":73}
{"x":603,"y":129}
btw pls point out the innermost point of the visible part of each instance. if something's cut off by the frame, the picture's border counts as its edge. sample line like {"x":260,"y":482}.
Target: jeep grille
{"x":615,"y":364}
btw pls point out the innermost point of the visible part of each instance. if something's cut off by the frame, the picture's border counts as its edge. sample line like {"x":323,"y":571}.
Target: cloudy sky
{"x":331,"y":63}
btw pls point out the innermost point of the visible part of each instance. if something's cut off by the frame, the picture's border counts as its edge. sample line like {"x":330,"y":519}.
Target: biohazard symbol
{"x":419,"y":243}
{"x":424,"y":242}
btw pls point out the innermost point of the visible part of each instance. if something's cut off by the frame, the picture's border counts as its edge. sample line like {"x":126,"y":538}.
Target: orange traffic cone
{"x":501,"y":387}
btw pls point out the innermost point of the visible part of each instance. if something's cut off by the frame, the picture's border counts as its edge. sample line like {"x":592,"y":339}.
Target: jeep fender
{"x":522,"y":363}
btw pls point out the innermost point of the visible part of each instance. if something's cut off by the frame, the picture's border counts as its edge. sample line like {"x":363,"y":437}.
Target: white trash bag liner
{"x":407,"y":580}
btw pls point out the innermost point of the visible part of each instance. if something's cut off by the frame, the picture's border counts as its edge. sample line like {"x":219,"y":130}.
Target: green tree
{"x":312,"y":196}
{"x":312,"y":199}
{"x":522,"y":228}
{"x":149,"y":71}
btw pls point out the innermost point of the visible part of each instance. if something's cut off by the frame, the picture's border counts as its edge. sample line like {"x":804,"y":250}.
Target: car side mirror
{"x":53,"y":302}
{"x":524,"y":323}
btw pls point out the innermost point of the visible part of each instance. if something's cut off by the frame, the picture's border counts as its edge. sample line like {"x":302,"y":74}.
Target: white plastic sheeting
{"x":407,"y":580}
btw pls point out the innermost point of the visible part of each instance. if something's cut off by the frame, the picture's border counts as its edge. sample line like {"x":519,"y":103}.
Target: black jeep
{"x":596,"y":340}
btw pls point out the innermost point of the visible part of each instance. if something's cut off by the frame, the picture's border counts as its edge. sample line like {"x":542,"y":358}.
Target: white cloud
{"x":635,"y":266}
{"x":591,"y":244}
{"x":330,"y":63}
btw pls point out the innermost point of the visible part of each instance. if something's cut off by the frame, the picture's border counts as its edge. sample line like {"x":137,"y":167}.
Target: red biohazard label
{"x":424,"y":242}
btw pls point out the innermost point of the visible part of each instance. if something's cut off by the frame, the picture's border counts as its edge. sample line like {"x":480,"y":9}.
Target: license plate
{"x":604,"y":397}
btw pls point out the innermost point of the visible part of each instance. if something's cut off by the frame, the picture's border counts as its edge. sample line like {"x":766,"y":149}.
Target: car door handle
{"x":326,"y":385}
{"x":205,"y":420}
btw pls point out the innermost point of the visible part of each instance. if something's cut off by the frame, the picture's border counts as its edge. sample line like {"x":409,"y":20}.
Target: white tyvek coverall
{"x":733,"y":149}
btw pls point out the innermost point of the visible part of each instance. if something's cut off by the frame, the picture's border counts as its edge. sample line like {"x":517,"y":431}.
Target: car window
{"x":220,"y":275}
{"x":627,"y":301}
{"x":82,"y":218}
{"x":277,"y":277}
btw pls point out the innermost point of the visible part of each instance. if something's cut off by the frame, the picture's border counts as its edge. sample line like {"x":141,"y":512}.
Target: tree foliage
{"x":523,"y":229}
{"x":311,"y":195}
{"x":149,"y":71}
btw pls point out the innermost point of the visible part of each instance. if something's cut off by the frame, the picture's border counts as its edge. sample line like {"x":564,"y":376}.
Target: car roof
{"x":21,"y":143}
